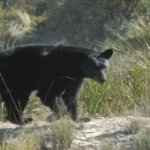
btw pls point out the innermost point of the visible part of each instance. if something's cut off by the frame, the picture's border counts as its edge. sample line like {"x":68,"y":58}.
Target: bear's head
{"x":95,"y":65}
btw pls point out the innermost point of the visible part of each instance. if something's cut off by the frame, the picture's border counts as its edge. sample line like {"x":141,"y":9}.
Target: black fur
{"x":54,"y":71}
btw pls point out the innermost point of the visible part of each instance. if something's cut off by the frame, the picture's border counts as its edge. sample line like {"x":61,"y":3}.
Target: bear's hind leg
{"x":59,"y":109}
{"x":15,"y":105}
{"x":56,"y":104}
{"x":23,"y":98}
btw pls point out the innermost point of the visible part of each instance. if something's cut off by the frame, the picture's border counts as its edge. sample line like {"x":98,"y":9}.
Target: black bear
{"x":56,"y":72}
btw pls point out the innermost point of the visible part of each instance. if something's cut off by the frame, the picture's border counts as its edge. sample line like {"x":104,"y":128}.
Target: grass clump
{"x":137,"y":125}
{"x":23,"y":142}
{"x":141,"y":142}
{"x":64,"y":131}
{"x":141,"y":130}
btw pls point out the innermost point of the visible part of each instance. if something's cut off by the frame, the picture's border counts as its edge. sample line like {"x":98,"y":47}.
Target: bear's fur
{"x":54,"y":71}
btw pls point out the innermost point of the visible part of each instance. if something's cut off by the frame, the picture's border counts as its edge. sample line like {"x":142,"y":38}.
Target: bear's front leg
{"x":73,"y":109}
{"x":71,"y":100}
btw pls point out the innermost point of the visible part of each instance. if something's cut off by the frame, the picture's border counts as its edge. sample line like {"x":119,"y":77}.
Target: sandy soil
{"x":89,"y":136}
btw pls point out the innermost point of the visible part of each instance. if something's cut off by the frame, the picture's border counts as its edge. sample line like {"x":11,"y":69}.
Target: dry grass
{"x":137,"y":125}
{"x":23,"y":142}
{"x":56,"y":136}
{"x":142,"y":141}
{"x":64,"y":130}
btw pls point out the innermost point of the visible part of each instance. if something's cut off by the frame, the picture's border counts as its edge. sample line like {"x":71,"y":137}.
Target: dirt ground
{"x":89,"y":136}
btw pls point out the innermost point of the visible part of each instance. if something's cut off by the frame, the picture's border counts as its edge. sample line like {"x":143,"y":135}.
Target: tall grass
{"x":127,"y":86}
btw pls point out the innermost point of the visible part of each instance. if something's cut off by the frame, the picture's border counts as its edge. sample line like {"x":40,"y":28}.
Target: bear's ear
{"x":106,"y":54}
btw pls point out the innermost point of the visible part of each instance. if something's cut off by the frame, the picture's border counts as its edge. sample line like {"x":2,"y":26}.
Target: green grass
{"x":127,"y":87}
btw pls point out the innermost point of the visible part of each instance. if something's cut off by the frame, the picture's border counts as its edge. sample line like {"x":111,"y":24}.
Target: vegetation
{"x":127,"y":87}
{"x":86,"y":20}
{"x":127,"y":90}
{"x":15,"y":21}
{"x":142,"y":141}
{"x":64,"y":131}
{"x":57,"y":136}
{"x":24,"y":142}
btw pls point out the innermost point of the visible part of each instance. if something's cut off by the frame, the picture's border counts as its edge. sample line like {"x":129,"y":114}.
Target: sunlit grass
{"x":64,"y":130}
{"x":23,"y":142}
{"x":57,"y":135}
{"x":3,"y":112}
{"x":127,"y":86}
